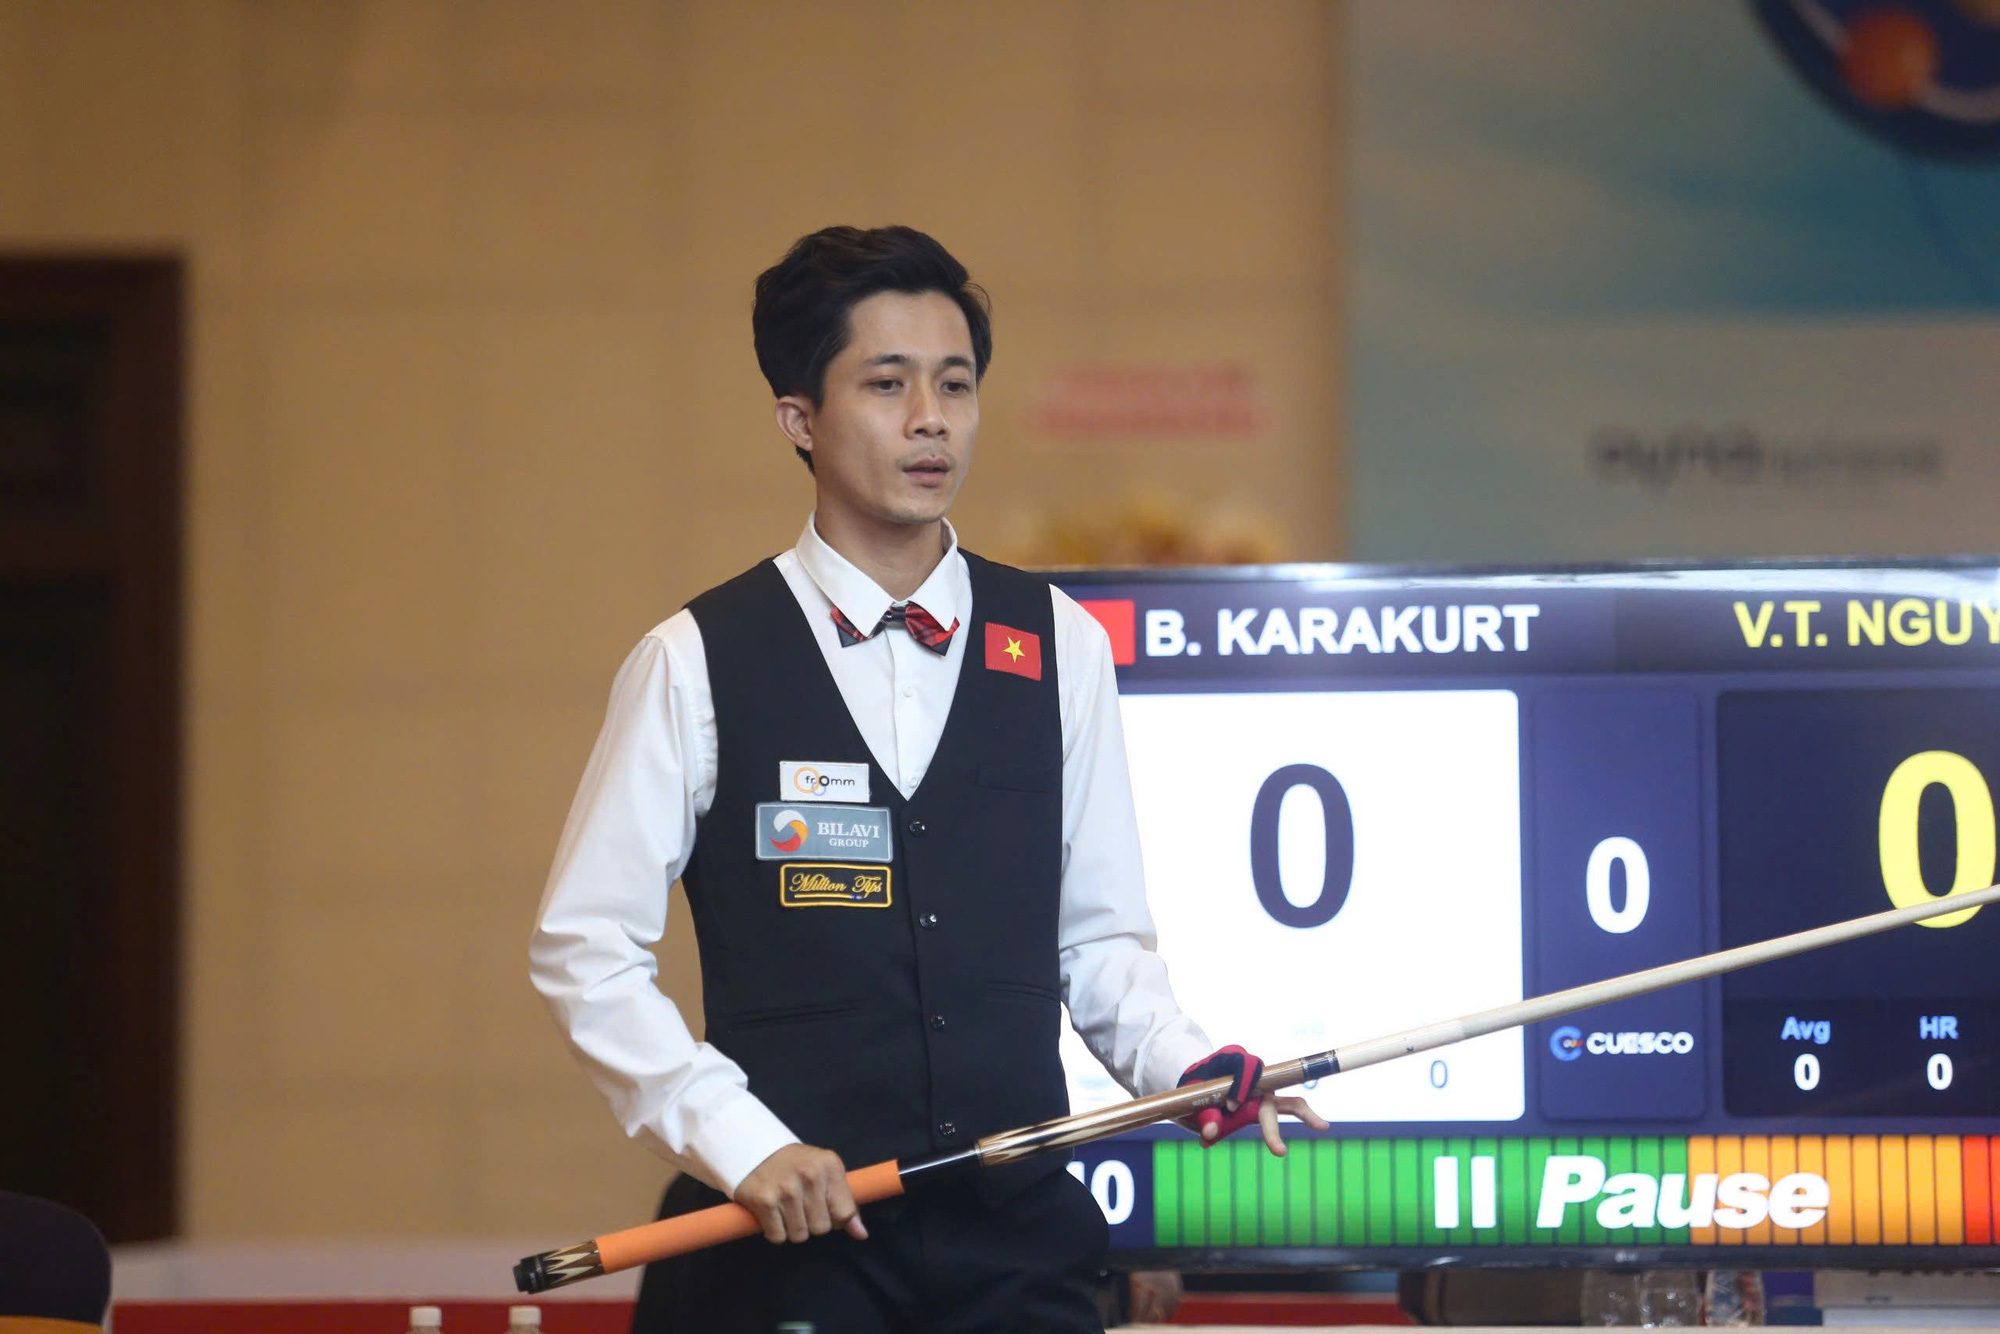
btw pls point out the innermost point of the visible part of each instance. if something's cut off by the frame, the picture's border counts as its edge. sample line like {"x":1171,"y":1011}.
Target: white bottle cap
{"x":524,"y":1317}
{"x":426,"y":1317}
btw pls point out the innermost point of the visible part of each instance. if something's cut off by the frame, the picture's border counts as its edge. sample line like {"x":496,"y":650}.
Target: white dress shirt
{"x":651,"y":777}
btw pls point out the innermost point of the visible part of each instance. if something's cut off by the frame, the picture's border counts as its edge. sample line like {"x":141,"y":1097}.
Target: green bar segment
{"x":1571,"y":1231}
{"x":1593,"y":1232}
{"x":1194,"y":1190}
{"x":1297,"y":1165}
{"x":1515,"y":1190}
{"x":1246,"y":1199}
{"x":1381,"y":1193}
{"x":1490,"y":1235}
{"x":1219,"y":1179}
{"x":1167,"y":1211}
{"x":1674,"y":1161}
{"x":1539,"y":1150}
{"x":1274,"y":1212}
{"x":1325,"y":1192}
{"x":1208,"y":1217}
{"x":1353,"y":1193}
{"x":1429,"y":1152}
{"x":1409,"y":1194}
{"x":1646,"y":1158}
{"x":1619,"y":1156}
{"x":1460,"y":1151}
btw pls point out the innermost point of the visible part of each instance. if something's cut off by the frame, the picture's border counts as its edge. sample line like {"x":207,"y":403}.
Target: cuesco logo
{"x":1569,"y":1043}
{"x":1639,"y":1044}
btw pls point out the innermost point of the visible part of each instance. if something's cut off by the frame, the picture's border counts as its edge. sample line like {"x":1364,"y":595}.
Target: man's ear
{"x":795,"y":419}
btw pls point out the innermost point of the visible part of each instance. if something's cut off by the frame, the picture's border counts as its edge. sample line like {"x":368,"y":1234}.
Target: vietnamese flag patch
{"x":1011,"y":650}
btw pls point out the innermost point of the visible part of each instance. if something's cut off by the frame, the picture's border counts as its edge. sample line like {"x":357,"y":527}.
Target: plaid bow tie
{"x":923,"y":627}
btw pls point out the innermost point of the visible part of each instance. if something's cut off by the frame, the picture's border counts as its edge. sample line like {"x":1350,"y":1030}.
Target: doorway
{"x":90,"y":457}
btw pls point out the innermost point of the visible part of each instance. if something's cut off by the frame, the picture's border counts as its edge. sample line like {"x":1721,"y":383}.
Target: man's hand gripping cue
{"x":799,"y":1193}
{"x":1242,"y":1107}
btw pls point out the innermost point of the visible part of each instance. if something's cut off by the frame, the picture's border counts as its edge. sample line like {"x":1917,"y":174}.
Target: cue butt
{"x":677,"y":1236}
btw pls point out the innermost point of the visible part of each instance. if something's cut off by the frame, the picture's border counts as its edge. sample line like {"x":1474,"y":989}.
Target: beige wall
{"x":474,"y":405}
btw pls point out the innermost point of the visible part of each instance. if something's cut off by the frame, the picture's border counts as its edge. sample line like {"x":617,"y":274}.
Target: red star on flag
{"x":1014,"y":651}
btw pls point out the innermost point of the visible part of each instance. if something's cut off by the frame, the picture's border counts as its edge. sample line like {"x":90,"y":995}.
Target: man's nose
{"x":927,"y":413}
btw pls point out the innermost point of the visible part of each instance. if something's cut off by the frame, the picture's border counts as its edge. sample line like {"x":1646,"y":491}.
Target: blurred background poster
{"x":1720,"y":277}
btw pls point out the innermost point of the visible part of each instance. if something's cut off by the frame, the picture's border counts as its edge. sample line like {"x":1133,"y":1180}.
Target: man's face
{"x":891,"y":439}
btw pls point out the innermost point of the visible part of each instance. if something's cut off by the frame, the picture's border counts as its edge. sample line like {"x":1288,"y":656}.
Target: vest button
{"x":928,"y":920}
{"x":937,"y":1022}
{"x":915,"y":829}
{"x":946,"y":1130}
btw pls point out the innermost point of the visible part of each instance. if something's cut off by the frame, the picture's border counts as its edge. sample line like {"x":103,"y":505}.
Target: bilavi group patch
{"x":849,"y":833}
{"x":832,"y":885}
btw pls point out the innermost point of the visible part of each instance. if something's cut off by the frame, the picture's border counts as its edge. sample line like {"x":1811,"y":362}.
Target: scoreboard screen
{"x":1370,"y":799}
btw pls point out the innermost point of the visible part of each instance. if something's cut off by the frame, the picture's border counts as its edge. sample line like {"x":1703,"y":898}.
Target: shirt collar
{"x":862,"y":601}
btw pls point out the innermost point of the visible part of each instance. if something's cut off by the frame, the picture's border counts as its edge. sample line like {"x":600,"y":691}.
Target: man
{"x":891,"y":778}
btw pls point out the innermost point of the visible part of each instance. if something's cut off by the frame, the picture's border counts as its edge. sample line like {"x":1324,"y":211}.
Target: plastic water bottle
{"x":1610,"y":1297}
{"x":524,"y":1320}
{"x":426,"y":1319}
{"x":1733,"y":1297}
{"x":1669,"y":1297}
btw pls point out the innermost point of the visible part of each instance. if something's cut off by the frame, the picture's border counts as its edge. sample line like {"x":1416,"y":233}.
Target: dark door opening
{"x":90,"y":444}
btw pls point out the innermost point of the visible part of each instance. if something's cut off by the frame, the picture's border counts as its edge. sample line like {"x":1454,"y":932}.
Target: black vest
{"x":886,"y":1030}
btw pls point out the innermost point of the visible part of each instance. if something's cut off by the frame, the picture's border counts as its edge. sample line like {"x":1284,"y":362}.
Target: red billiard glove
{"x":1240,"y":1109}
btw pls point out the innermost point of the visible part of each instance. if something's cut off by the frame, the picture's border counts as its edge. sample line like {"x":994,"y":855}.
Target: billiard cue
{"x":880,"y":1181}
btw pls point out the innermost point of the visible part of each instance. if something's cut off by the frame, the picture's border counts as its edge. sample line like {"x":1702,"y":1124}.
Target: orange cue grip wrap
{"x":723,"y":1222}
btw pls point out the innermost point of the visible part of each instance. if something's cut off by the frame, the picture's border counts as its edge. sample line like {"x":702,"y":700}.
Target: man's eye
{"x":885,"y":384}
{"x":958,"y":386}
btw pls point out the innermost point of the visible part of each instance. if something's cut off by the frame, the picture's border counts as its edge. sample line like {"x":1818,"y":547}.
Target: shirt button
{"x":937,"y":1022}
{"x":946,"y":1130}
{"x":909,"y":692}
{"x":928,"y":920}
{"x":915,"y":829}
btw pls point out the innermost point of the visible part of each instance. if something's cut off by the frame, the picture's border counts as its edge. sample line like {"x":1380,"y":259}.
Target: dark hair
{"x":799,"y":319}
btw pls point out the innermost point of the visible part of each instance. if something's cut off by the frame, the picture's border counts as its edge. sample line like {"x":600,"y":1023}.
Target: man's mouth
{"x":931,"y":471}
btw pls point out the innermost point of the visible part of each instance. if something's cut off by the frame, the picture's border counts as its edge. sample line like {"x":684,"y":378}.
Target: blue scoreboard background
{"x":1396,"y":796}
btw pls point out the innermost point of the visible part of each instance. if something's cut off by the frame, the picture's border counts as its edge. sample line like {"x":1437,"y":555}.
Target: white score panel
{"x":1430,"y":926}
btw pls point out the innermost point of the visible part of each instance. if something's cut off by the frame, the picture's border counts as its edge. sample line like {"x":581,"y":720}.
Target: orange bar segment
{"x":1812,"y":1158}
{"x":1895,"y":1173}
{"x":1840,"y":1187}
{"x":1784,"y":1162}
{"x":1757,"y":1158}
{"x":1950,"y":1191}
{"x":1976,"y":1151}
{"x":1728,"y":1162}
{"x":1701,"y":1158}
{"x":1867,"y":1190}
{"x":1993,"y":1180}
{"x":1920,"y":1177}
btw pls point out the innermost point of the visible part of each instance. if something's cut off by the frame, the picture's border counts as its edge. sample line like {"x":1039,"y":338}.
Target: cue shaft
{"x":880,"y":1181}
{"x":1537,"y":1008}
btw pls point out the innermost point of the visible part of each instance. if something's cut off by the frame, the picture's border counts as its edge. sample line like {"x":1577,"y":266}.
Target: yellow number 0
{"x":1972,"y":802}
